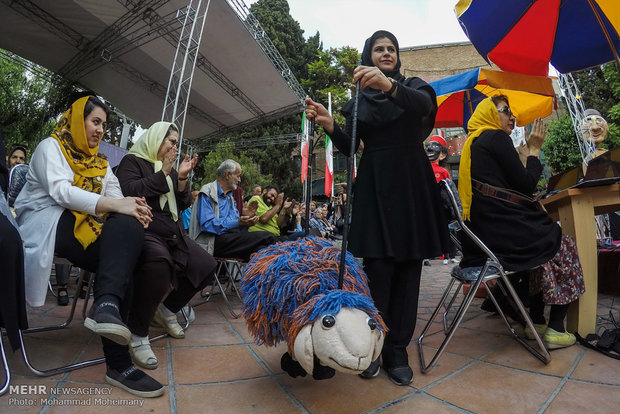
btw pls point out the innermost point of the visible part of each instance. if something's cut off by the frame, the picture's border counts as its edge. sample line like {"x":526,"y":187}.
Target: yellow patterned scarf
{"x":89,"y":167}
{"x":147,"y":147}
{"x":484,"y":118}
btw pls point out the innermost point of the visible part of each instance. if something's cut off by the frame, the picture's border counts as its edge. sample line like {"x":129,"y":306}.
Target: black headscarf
{"x":374,"y":106}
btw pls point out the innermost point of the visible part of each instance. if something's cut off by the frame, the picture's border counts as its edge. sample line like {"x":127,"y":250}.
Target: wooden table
{"x":575,"y":208}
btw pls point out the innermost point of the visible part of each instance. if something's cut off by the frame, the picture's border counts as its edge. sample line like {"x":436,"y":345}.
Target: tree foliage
{"x":251,"y":171}
{"x":561,"y":149}
{"x":286,"y":35}
{"x":600,"y":90}
{"x":24,"y":113}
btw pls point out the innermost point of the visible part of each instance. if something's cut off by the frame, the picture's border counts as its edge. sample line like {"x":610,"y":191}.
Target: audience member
{"x":17,"y":155}
{"x":319,"y":222}
{"x":216,"y":224}
{"x":274,"y":213}
{"x":437,"y":151}
{"x":12,"y":301}
{"x":238,"y":197}
{"x":522,"y":236}
{"x":72,"y":204}
{"x":186,"y":215}
{"x":170,"y":263}
{"x":256,"y":191}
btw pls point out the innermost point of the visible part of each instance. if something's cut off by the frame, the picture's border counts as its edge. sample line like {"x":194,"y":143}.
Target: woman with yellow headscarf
{"x":496,"y":187}
{"x":169,"y":258}
{"x":72,"y":206}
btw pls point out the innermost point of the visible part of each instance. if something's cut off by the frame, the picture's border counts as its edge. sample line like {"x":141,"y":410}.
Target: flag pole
{"x":347,"y":206}
{"x":329,"y":155}
{"x":309,"y":176}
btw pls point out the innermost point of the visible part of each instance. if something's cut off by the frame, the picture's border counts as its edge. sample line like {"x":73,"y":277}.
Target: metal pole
{"x":347,"y":206}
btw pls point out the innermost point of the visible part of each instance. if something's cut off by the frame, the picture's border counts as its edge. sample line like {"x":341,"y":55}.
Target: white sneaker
{"x":455,"y":261}
{"x":169,"y":323}
{"x":445,"y":261}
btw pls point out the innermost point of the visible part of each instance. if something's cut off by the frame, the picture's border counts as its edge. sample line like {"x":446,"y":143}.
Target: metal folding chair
{"x":474,"y":277}
{"x":227,"y":273}
{"x":64,"y":368}
{"x":5,"y":367}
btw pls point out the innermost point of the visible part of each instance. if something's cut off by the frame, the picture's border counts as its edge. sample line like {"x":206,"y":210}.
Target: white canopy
{"x":124,"y":51}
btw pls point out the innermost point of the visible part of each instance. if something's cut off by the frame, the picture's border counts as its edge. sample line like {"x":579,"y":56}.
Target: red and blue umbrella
{"x":524,"y":36}
{"x":458,"y":96}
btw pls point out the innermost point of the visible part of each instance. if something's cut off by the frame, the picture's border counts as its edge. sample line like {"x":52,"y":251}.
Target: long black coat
{"x":396,"y":207}
{"x":521,"y":236}
{"x":164,"y":239}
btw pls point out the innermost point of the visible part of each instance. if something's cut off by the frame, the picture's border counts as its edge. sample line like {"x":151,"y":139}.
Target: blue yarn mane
{"x":280,"y":278}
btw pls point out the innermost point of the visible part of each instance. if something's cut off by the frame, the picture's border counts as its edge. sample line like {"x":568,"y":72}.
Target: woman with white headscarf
{"x":170,"y":261}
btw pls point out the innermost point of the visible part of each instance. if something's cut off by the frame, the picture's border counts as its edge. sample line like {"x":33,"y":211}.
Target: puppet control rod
{"x":347,"y":206}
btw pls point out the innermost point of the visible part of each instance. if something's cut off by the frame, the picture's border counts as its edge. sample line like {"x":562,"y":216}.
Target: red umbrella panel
{"x":524,"y":36}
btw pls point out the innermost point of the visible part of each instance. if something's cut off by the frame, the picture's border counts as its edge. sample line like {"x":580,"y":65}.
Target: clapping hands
{"x":249,"y":217}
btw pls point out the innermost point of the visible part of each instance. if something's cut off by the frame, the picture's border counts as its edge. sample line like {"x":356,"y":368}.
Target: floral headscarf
{"x":89,"y":167}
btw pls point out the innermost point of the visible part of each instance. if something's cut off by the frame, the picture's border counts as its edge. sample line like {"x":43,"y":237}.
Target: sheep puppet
{"x":291,"y":294}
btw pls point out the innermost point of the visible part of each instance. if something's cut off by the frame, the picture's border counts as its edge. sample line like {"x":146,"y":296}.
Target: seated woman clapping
{"x":170,"y":261}
{"x":72,"y":205}
{"x":496,"y":189}
{"x":320,"y":223}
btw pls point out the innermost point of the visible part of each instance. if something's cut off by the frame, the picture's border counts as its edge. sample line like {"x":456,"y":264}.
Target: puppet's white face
{"x":347,"y":342}
{"x":595,"y":128}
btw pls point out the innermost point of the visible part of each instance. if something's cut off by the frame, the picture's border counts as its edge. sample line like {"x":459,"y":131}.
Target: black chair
{"x":474,"y":277}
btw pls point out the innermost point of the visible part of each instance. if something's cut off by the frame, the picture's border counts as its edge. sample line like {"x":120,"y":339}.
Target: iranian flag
{"x":304,"y":148}
{"x":329,"y":157}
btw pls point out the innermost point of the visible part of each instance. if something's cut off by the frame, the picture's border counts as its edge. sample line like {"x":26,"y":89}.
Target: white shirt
{"x":46,"y":194}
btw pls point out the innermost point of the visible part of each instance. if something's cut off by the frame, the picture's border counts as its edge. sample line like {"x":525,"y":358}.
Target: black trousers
{"x":156,"y":279}
{"x":394,"y":287}
{"x":241,"y":244}
{"x":12,"y":296}
{"x":112,"y":257}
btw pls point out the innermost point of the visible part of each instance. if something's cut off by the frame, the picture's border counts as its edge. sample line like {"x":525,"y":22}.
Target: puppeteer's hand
{"x":371,"y":76}
{"x":320,"y":114}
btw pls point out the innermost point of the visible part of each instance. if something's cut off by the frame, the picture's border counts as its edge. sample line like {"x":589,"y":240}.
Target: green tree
{"x":24,"y":114}
{"x":286,"y":35}
{"x":223,"y":151}
{"x":561,"y":149}
{"x":600,"y":90}
{"x":275,"y":161}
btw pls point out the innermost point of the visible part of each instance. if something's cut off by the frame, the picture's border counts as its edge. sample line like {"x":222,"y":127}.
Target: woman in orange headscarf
{"x":72,"y":205}
{"x":495,"y":189}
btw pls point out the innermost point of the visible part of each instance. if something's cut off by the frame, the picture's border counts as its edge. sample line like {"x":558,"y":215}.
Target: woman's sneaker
{"x":554,"y":339}
{"x":135,"y":382}
{"x":541,"y":328}
{"x":105,"y":319}
{"x":372,"y":370}
{"x":169,"y":323}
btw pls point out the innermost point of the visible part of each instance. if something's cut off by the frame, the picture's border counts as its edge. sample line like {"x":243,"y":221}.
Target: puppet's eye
{"x":372,"y":324}
{"x":328,"y":321}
